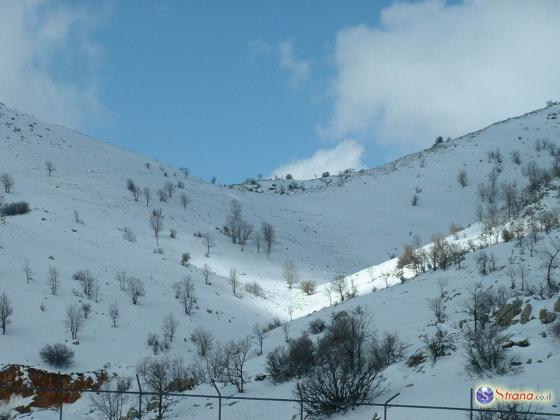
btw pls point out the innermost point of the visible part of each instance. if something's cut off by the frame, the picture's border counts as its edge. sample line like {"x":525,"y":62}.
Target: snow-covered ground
{"x":356,"y":227}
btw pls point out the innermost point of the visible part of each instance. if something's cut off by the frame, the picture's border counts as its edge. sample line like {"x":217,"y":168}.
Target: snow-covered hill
{"x":357,"y":223}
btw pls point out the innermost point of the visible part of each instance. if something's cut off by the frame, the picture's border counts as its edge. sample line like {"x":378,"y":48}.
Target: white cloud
{"x":258,"y":47}
{"x":347,"y":154}
{"x":437,"y":69}
{"x":39,"y":43}
{"x":297,"y":69}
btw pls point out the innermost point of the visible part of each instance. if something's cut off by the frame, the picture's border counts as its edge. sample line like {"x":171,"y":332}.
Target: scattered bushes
{"x":14,"y":209}
{"x":338,"y":371}
{"x":57,"y":355}
{"x":275,"y":323}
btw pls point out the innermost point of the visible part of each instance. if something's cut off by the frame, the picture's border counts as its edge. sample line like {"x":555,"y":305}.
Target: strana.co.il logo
{"x":484,"y":395}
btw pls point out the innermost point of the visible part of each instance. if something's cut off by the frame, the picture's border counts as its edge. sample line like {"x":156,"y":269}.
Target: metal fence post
{"x":300,"y":402}
{"x":139,"y":397}
{"x":387,"y":402}
{"x":471,"y":406}
{"x":219,"y":401}
{"x":60,"y":396}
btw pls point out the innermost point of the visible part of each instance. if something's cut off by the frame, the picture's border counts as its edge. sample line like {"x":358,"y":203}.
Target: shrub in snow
{"x":255,"y":289}
{"x":512,"y":411}
{"x":277,"y":364}
{"x":440,"y":344}
{"x":416,"y":359}
{"x":14,"y":209}
{"x":308,"y":287}
{"x":156,"y":344}
{"x":129,"y":235}
{"x":486,"y":351}
{"x":301,"y":354}
{"x":317,"y":326}
{"x":387,"y":350}
{"x":345,"y":372}
{"x":185,"y":258}
{"x":57,"y":355}
{"x":555,"y":330}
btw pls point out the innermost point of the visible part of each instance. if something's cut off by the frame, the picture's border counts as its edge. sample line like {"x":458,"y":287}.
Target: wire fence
{"x":142,"y":396}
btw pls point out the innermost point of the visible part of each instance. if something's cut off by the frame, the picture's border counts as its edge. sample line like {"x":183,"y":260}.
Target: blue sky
{"x":236,"y":89}
{"x":200,"y":83}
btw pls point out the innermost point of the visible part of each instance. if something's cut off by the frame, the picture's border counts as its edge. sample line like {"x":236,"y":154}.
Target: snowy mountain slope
{"x":325,"y":231}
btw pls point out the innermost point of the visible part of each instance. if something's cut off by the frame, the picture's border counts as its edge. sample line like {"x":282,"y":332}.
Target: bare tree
{"x":156,"y":222}
{"x":147,"y":195}
{"x":133,"y":188}
{"x":52,"y":280}
{"x":206,"y":271}
{"x":162,"y":195}
{"x":120,"y":276}
{"x":135,"y":289}
{"x":204,"y":341}
{"x":233,"y":281}
{"x":462,"y":178}
{"x":234,"y":219}
{"x":184,"y":200}
{"x":339,"y":286}
{"x":258,"y":330}
{"x":245,"y":232}
{"x":128,"y":234}
{"x":290,"y":273}
{"x":170,"y":325}
{"x":208,"y":242}
{"x":162,"y":376}
{"x":437,"y":307}
{"x":236,"y":356}
{"x":76,"y":216}
{"x":551,"y":264}
{"x":49,"y":166}
{"x":169,"y":188}
{"x":7,"y":182}
{"x":6,"y":311}
{"x":187,"y":295}
{"x":257,"y":238}
{"x":74,"y":319}
{"x":28,"y":271}
{"x":269,"y":236}
{"x":328,"y":292}
{"x":114,"y":313}
{"x":522,"y":275}
{"x":112,"y":401}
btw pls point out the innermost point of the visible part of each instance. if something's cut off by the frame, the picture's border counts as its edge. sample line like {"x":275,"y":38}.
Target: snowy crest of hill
{"x":140,"y":249}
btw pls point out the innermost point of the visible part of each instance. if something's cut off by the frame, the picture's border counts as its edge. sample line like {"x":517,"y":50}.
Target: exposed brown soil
{"x":41,"y":385}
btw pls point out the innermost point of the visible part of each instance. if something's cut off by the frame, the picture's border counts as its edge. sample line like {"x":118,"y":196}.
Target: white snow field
{"x":354,"y":225}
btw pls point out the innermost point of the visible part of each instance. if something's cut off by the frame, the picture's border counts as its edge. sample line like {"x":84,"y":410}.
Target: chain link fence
{"x":141,"y":397}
